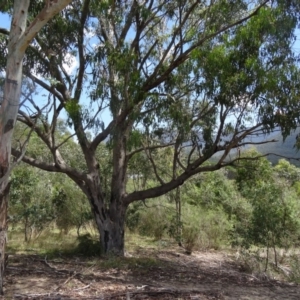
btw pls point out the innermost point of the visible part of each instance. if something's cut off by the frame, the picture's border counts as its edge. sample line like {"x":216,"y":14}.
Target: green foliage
{"x":70,"y":205}
{"x":274,"y":221}
{"x":252,"y":170}
{"x":190,"y":238}
{"x":294,"y":275}
{"x":287,"y":171}
{"x":38,"y":198}
{"x":133,"y":216}
{"x":204,"y":229}
{"x":154,"y":221}
{"x":29,"y":201}
{"x":87,"y":246}
{"x":73,"y":108}
{"x":5,"y":6}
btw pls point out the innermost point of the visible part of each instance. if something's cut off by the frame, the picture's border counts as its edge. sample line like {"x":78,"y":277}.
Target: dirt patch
{"x":144,"y":275}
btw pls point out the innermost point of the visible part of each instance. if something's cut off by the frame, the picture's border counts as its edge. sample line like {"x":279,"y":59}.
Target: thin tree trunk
{"x":25,"y":229}
{"x":267,"y":258}
{"x":275,"y":253}
{"x":178,"y":216}
{"x":3,"y":231}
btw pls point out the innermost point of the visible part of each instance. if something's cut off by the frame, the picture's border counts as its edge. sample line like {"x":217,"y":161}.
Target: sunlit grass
{"x":49,"y":239}
{"x":53,"y":243}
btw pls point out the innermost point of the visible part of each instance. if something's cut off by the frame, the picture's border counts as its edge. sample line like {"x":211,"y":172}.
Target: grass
{"x":52,"y":242}
{"x":254,"y":262}
{"x":134,"y":242}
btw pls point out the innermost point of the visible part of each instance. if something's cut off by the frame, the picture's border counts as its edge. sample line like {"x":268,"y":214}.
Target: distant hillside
{"x":286,"y":148}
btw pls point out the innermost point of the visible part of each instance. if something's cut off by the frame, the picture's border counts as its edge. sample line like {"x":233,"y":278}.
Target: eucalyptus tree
{"x":196,"y":76}
{"x":20,"y":36}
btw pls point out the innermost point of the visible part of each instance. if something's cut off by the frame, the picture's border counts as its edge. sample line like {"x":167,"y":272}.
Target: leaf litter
{"x":144,"y":274}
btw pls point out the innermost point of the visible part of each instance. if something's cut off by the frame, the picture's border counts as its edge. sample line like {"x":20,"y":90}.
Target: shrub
{"x":87,"y":246}
{"x":154,"y":222}
{"x":204,"y":229}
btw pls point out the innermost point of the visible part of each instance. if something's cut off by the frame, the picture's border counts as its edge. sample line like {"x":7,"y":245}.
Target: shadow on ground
{"x":146,"y":275}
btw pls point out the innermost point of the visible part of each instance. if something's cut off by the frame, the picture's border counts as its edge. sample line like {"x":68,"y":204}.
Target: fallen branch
{"x":65,"y":282}
{"x":82,"y":288}
{"x":74,"y":274}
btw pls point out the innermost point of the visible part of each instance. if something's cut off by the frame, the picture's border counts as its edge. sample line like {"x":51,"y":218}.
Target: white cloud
{"x":70,"y":63}
{"x":89,"y":32}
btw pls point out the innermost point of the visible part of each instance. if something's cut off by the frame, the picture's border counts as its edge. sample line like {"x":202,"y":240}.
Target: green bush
{"x":87,"y":246}
{"x":275,"y":209}
{"x":190,"y":238}
{"x":202,"y":228}
{"x":294,"y":274}
{"x":205,"y":229}
{"x":154,"y":221}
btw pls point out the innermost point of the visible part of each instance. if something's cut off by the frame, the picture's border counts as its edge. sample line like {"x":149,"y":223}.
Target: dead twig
{"x":82,"y":288}
{"x":65,"y":282}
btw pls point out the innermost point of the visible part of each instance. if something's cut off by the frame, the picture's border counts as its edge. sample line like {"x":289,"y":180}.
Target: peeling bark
{"x":110,"y":221}
{"x":112,"y":233}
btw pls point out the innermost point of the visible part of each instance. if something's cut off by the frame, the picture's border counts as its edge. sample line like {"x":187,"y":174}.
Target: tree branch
{"x":155,"y":80}
{"x":167,"y":187}
{"x":50,"y":167}
{"x":131,"y":154}
{"x":51,"y":8}
{"x":4,"y":31}
{"x":47,"y":87}
{"x":84,"y":15}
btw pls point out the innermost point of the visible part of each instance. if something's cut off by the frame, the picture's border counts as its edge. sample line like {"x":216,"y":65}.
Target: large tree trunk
{"x":112,"y":234}
{"x":111,"y":219}
{"x":111,"y":227}
{"x":109,"y":215}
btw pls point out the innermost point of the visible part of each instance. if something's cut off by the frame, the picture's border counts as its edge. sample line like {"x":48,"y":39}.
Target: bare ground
{"x":153,"y":275}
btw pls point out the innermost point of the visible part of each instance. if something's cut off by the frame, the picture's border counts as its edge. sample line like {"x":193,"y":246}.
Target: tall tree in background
{"x":20,"y":36}
{"x":196,"y":77}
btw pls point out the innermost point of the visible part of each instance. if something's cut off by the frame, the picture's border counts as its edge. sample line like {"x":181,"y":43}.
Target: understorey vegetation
{"x":251,"y":206}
